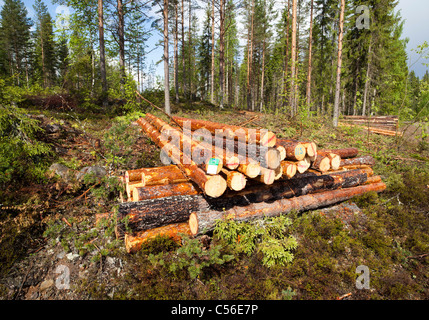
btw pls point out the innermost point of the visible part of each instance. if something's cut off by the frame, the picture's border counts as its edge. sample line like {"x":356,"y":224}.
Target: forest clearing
{"x":97,"y":204}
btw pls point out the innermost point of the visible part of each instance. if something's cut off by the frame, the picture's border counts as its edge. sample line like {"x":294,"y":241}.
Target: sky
{"x":413,"y":12}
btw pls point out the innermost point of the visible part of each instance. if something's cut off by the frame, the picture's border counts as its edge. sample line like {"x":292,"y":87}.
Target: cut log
{"x":163,"y":191}
{"x":213,"y":186}
{"x":344,"y":153}
{"x":282,"y":151}
{"x":303,"y":165}
{"x":278,"y":173}
{"x":149,"y":214}
{"x":294,"y":149}
{"x":250,"y":136}
{"x":364,"y":160}
{"x":322,"y":163}
{"x":267,"y":176}
{"x":133,"y":243}
{"x":157,"y":175}
{"x":203,"y":221}
{"x":235,"y":180}
{"x":218,"y":167}
{"x":311,"y":150}
{"x":334,"y":159}
{"x":252,"y":169}
{"x":266,"y":156}
{"x":289,"y":169}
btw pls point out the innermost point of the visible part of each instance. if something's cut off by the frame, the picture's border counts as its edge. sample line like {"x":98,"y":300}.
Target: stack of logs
{"x":276,"y":177}
{"x":384,"y":125}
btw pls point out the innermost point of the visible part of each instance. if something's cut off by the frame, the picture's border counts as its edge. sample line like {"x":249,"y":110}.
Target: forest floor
{"x":52,"y":248}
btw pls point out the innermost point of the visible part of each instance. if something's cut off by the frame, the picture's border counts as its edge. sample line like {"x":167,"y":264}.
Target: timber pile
{"x":384,"y":125}
{"x":245,"y":174}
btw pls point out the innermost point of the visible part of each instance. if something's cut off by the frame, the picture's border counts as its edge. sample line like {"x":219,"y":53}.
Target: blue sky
{"x":414,"y":13}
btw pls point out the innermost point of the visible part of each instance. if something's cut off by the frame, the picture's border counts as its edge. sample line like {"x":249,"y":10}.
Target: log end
{"x":215,"y":186}
{"x":267,"y":176}
{"x":193,"y":223}
{"x":311,"y":149}
{"x":335,"y":161}
{"x":273,"y":158}
{"x":269,"y":139}
{"x":237,"y":181}
{"x":282,"y":151}
{"x":232,"y":163}
{"x":304,"y":164}
{"x":278,"y":173}
{"x":324,"y":165}
{"x":300,"y":152}
{"x":252,"y":170}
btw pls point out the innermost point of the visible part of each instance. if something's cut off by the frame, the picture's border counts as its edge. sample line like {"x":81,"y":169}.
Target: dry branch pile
{"x":221,"y":171}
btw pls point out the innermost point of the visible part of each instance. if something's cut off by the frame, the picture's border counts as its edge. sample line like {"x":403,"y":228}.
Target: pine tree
{"x":14,"y":39}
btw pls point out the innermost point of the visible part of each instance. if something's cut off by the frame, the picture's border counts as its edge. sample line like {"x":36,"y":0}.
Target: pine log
{"x":203,"y":221}
{"x":267,"y":176}
{"x":163,"y":191}
{"x":250,"y":136}
{"x":278,"y":173}
{"x":252,"y":169}
{"x":311,"y":150}
{"x":267,"y":157}
{"x":157,"y":175}
{"x":235,"y":180}
{"x":213,"y":186}
{"x":322,"y":162}
{"x":133,"y":243}
{"x":143,"y":215}
{"x":289,"y":169}
{"x":282,"y":151}
{"x":294,"y":149}
{"x":344,"y":153}
{"x":364,"y":160}
{"x":303,"y":165}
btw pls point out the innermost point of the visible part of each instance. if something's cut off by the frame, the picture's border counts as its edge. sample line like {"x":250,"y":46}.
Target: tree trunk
{"x":213,"y":55}
{"x":339,"y":61}
{"x":102,"y":54}
{"x":121,"y":40}
{"x":221,"y":51}
{"x":310,"y":40}
{"x":176,"y":51}
{"x":249,"y":99}
{"x":166,"y":69}
{"x":293,"y":60}
{"x":154,"y":176}
{"x":183,"y":49}
{"x":201,"y":221}
{"x":367,"y":82}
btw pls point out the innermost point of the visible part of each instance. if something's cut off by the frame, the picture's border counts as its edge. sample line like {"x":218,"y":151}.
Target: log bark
{"x":149,"y":214}
{"x":365,"y":160}
{"x":262,"y":137}
{"x":203,"y":221}
{"x":156,"y":175}
{"x":163,"y":191}
{"x":344,"y":153}
{"x":252,"y":169}
{"x":322,"y":162}
{"x":213,"y":186}
{"x":235,"y":180}
{"x":289,"y":169}
{"x":133,"y":243}
{"x":295,"y":150}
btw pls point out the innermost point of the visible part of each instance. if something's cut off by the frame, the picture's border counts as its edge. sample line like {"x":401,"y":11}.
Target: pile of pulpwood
{"x":221,"y":171}
{"x":384,"y":125}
